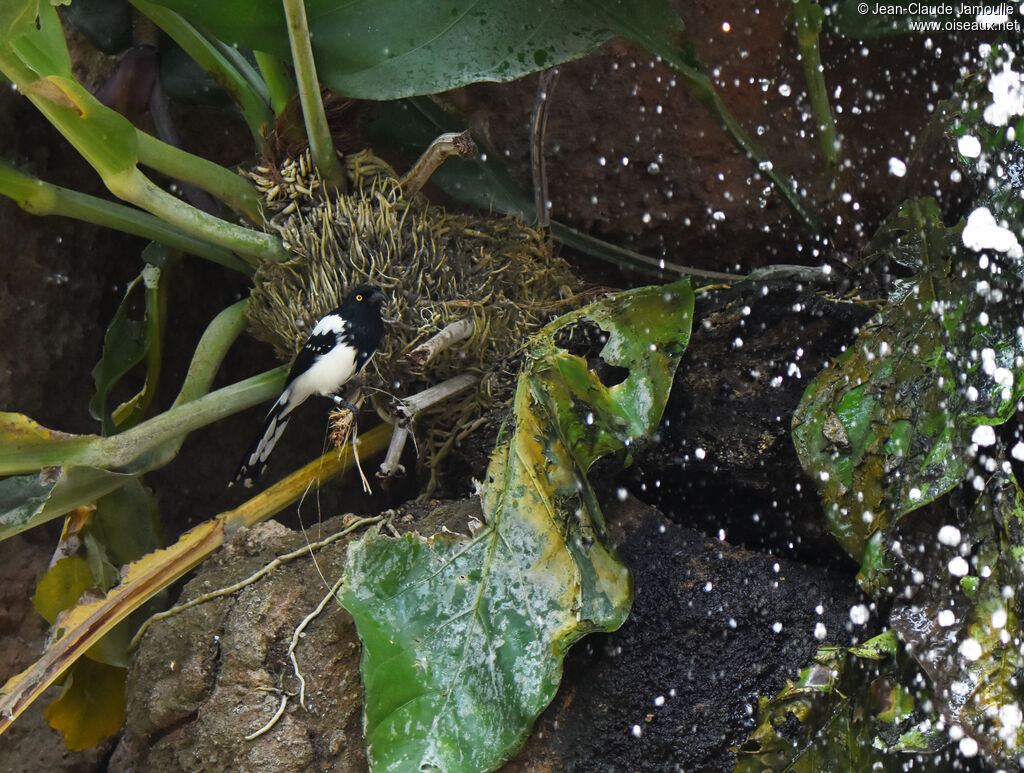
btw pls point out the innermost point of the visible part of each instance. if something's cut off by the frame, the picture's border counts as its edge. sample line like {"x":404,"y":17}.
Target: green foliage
{"x":464,"y":636}
{"x":887,"y":427}
{"x":846,"y":711}
{"x":35,"y":498}
{"x":973,"y":660}
{"x":374,"y":49}
{"x":127,"y":343}
{"x":897,"y":434}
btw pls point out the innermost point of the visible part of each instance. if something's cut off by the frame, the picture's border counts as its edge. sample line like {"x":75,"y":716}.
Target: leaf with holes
{"x":464,"y":636}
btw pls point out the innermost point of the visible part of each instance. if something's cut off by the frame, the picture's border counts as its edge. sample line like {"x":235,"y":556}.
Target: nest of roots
{"x":434,"y":267}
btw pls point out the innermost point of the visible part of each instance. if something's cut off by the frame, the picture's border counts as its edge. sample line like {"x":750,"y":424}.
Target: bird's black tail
{"x":255,"y":462}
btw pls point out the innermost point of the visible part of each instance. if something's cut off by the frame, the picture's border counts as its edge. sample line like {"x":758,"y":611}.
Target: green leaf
{"x":915,"y":236}
{"x":464,"y":636}
{"x":886,"y":428}
{"x":126,"y":525}
{"x":387,"y":49}
{"x":91,"y":706}
{"x":40,"y":44}
{"x":107,"y":24}
{"x":17,"y":18}
{"x":29,"y":500}
{"x":127,"y":343}
{"x":985,"y":132}
{"x":848,"y":710}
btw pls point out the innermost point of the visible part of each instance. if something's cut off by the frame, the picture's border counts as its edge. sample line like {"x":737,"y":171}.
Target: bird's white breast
{"x":328,"y":373}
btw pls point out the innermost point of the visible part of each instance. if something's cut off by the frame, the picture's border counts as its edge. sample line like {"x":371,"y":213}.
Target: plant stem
{"x":42,"y":198}
{"x":279,"y":83}
{"x":218,"y":337}
{"x":111,"y":145}
{"x":31,"y":452}
{"x":808,"y":17}
{"x":703,"y":89}
{"x":320,"y":143}
{"x":628,"y":259}
{"x":254,"y":245}
{"x":135,"y":444}
{"x":251,"y":103}
{"x":229,"y":187}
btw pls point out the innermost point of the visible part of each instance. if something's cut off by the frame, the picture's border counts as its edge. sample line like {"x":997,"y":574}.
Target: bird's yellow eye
{"x":359,"y":297}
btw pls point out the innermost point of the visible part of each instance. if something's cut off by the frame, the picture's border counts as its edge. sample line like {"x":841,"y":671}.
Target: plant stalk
{"x":42,"y":198}
{"x":808,"y":17}
{"x":280,"y":85}
{"x":320,"y":143}
{"x":133,"y":448}
{"x":231,"y":188}
{"x":252,"y":246}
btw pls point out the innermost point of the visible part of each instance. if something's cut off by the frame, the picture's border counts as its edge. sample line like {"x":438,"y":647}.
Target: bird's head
{"x":363,"y":299}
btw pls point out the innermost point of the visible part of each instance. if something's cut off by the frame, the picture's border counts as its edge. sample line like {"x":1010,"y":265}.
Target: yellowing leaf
{"x":92,"y":705}
{"x":61,"y":586}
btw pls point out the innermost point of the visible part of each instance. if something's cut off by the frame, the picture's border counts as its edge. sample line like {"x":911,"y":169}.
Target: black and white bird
{"x":341,"y":344}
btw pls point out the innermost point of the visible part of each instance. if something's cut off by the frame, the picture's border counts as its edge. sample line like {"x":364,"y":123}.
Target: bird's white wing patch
{"x":332,"y":323}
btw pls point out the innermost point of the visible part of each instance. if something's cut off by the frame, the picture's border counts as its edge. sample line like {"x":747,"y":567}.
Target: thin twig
{"x":298,"y":632}
{"x":398,"y":439}
{"x":273,"y":720}
{"x":250,"y":579}
{"x":453,"y":332}
{"x":539,"y":126}
{"x":408,"y":407}
{"x":451,"y":144}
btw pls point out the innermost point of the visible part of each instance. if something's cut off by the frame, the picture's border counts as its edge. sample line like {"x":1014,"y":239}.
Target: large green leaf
{"x":887,"y":427}
{"x":464,"y":636}
{"x":386,"y":49}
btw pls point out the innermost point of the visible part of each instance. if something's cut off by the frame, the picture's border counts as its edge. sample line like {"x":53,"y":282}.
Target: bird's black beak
{"x":377,"y":296}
